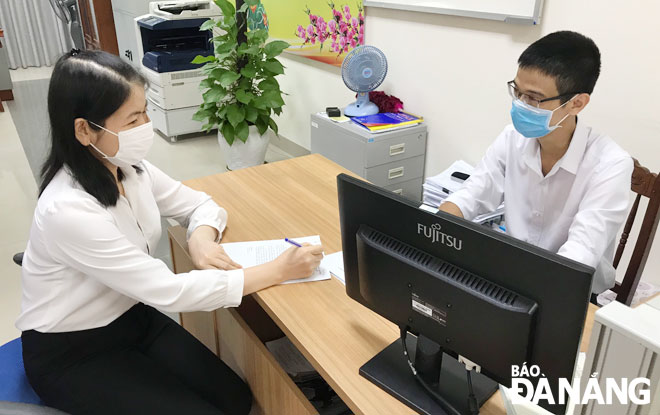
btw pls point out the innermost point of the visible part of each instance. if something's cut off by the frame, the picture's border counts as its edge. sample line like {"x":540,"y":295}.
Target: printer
{"x":168,"y":40}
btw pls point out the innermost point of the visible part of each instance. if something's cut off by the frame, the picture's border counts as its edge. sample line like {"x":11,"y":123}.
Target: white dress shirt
{"x":85,"y":264}
{"x":576,"y":210}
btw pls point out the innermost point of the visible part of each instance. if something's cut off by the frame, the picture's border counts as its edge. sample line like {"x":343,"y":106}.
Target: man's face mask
{"x":533,"y":122}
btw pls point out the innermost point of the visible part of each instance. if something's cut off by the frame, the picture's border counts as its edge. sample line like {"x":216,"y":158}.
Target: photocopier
{"x":168,"y":40}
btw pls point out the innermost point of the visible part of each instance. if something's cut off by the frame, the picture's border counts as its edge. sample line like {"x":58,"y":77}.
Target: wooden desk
{"x":337,"y":335}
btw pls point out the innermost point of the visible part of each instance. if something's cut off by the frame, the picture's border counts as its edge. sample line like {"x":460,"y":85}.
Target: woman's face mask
{"x":134,"y":145}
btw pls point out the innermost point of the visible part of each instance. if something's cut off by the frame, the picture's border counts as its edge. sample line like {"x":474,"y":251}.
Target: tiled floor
{"x":23,"y":145}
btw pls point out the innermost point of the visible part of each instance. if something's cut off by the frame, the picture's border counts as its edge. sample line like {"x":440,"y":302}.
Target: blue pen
{"x":292,"y":242}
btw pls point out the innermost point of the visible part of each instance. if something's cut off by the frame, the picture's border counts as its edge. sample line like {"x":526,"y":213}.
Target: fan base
{"x":361,"y":109}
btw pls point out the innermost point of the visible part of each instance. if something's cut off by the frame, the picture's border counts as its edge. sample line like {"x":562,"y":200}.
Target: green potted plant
{"x":241,"y":94}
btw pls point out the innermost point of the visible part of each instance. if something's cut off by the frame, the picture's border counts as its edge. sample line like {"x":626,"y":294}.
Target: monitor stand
{"x":390,"y":371}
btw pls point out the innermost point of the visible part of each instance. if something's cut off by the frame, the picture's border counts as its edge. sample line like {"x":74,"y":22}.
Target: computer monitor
{"x":462,"y":289}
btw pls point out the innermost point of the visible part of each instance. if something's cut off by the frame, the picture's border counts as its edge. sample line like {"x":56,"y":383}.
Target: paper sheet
{"x":250,"y":254}
{"x":335,"y":264}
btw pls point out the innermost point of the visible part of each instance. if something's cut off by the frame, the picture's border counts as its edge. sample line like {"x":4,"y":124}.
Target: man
{"x":565,"y":185}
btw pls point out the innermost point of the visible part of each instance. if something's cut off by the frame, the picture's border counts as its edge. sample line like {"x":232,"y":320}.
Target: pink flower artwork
{"x":344,"y":29}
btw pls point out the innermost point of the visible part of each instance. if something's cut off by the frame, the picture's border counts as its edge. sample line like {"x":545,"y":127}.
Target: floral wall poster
{"x":323,"y":30}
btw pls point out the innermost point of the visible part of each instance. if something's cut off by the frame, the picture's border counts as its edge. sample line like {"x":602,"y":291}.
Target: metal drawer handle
{"x":394,"y":173}
{"x":397,"y":149}
{"x":398,"y":191}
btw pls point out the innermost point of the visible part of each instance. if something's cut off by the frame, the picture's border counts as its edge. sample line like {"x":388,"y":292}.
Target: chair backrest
{"x":646,"y":184}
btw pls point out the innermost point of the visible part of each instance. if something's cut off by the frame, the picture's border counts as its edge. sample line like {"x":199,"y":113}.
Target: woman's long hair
{"x":90,"y":85}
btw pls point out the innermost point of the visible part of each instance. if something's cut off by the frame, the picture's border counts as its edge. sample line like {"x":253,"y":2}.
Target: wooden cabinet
{"x":238,"y":335}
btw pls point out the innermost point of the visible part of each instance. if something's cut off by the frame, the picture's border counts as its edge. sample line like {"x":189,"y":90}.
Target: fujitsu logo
{"x":435,"y":234}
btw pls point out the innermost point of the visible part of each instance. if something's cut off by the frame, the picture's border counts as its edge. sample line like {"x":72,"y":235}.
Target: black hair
{"x":572,"y":59}
{"x":90,"y":85}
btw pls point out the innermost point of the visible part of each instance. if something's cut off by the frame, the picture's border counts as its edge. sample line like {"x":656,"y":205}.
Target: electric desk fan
{"x":363,"y":70}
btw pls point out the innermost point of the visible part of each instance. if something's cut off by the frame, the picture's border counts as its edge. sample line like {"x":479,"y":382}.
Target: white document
{"x":335,"y":264}
{"x":250,"y":254}
{"x":428,"y":208}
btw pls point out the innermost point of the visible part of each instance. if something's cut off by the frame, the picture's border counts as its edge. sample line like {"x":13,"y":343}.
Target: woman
{"x":92,"y":343}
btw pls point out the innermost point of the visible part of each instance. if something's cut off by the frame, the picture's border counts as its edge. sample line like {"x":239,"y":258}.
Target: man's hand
{"x":452,"y":209}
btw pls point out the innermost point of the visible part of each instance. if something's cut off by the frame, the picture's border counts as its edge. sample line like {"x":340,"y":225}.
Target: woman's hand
{"x":206,"y":253}
{"x":295,"y":263}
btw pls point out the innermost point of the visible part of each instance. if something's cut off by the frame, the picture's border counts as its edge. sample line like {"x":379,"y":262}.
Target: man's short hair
{"x":572,"y":59}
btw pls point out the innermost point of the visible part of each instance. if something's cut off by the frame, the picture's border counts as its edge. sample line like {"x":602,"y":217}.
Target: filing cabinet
{"x":393,"y":160}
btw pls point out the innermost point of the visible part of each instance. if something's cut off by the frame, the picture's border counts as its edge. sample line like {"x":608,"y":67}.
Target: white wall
{"x":453,"y":71}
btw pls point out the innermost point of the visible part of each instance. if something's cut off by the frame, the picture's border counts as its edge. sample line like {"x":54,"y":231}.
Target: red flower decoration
{"x":385,"y":103}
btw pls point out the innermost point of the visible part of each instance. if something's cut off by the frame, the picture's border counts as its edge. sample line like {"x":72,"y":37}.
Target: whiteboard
{"x":510,"y":11}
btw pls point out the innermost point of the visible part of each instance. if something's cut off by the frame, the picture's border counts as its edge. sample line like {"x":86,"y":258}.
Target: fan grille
{"x":364,"y":69}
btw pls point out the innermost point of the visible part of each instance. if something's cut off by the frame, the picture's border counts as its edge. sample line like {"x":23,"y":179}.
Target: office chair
{"x":644,"y":183}
{"x":16,"y":395}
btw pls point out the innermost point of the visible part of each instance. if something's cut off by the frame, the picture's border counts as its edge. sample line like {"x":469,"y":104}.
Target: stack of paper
{"x":250,"y":254}
{"x":437,"y":188}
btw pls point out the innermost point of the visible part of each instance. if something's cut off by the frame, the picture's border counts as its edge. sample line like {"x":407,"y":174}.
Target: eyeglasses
{"x":528,"y":99}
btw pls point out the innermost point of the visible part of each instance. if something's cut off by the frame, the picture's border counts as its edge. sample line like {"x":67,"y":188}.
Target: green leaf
{"x":249,"y":71}
{"x":272,"y":125}
{"x":262,"y":125}
{"x":273,"y":66}
{"x":208,"y":25}
{"x":217,"y":73}
{"x":273,"y":99}
{"x":206,"y":83}
{"x":244,"y":49}
{"x":222,"y":56}
{"x":209,"y":67}
{"x":260,"y":103}
{"x":277,"y":111}
{"x":228,"y":132}
{"x":203,"y":59}
{"x":228,"y":78}
{"x":257,"y":36}
{"x":252,"y":2}
{"x":202,"y":115}
{"x":214,"y":94}
{"x":244,"y":97}
{"x":269,"y":84}
{"x":251,"y":114}
{"x":228,"y":24}
{"x":224,"y":47}
{"x":227,"y":8}
{"x":275,"y":47}
{"x":242,"y":131}
{"x":235,"y":114}
{"x":243,"y":8}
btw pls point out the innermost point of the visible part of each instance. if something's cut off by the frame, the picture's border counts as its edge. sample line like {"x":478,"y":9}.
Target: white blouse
{"x":85,"y":264}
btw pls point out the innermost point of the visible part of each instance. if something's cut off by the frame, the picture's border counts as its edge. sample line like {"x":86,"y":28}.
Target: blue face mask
{"x":534,"y":122}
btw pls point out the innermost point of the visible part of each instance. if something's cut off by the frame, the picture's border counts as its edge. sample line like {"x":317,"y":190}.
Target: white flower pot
{"x":251,"y":153}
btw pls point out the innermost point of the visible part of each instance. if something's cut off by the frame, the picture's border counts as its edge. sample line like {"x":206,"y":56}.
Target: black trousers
{"x":141,"y":363}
